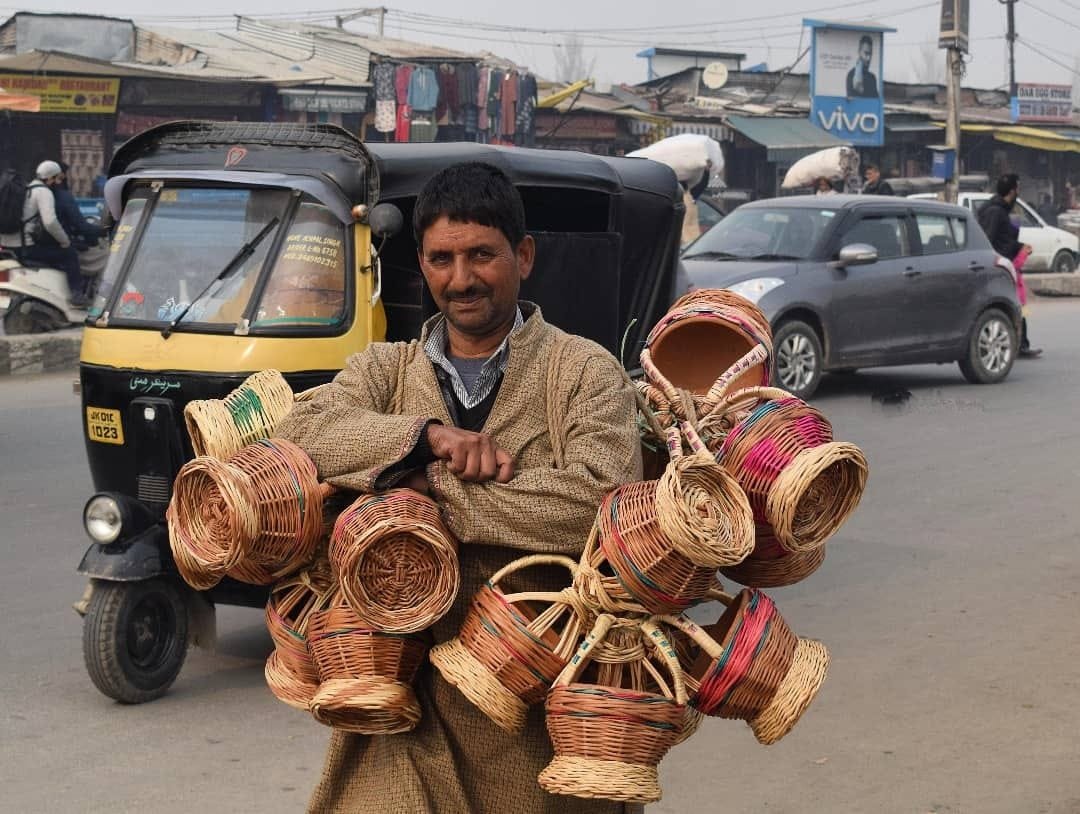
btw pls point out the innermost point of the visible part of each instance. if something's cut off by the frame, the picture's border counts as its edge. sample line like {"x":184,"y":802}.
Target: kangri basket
{"x":256,"y":517}
{"x":770,"y":565}
{"x":220,"y":428}
{"x":751,"y":667}
{"x":799,"y":481}
{"x":396,"y":561}
{"x":290,"y":672}
{"x":512,"y":646}
{"x":366,"y":675}
{"x":703,"y":334}
{"x":656,"y":545}
{"x":610,"y":735}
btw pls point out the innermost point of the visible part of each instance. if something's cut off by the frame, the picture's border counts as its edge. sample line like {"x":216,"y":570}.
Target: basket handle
{"x":697,"y":633}
{"x":667,"y":652}
{"x":653,"y":374}
{"x":760,"y":393}
{"x":755,"y":356}
{"x":582,"y":655}
{"x":534,"y":559}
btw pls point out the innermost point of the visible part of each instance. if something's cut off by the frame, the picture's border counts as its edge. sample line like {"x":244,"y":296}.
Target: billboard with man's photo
{"x":847,"y":82}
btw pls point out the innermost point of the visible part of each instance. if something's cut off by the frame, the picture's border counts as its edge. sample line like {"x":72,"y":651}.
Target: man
{"x":995,"y":220}
{"x":517,"y":430}
{"x":1047,"y":211}
{"x":875,"y":184}
{"x":82,"y":233}
{"x":861,"y":83}
{"x":43,"y":241}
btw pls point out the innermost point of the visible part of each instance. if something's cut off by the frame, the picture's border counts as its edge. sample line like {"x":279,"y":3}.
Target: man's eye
{"x":482,"y":254}
{"x":438,"y":259}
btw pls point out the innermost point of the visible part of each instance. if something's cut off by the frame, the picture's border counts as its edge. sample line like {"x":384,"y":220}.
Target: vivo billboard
{"x":847,"y":84}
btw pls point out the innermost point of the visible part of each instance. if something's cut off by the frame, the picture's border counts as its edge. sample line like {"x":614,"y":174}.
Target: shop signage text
{"x":1042,"y":103}
{"x":66,"y":94}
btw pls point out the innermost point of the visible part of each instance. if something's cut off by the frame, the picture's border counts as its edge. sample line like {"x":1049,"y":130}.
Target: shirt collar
{"x":435,"y":347}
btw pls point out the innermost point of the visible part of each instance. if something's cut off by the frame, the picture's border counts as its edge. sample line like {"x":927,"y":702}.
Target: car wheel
{"x":798,"y":359}
{"x":991,"y":349}
{"x":135,"y":638}
{"x":1064,"y":262}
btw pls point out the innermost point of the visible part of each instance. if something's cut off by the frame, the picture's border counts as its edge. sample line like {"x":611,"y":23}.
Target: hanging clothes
{"x":526,"y":111}
{"x":483,"y":122}
{"x":494,"y":107}
{"x":508,"y":95}
{"x":402,"y":78}
{"x":448,"y":95}
{"x":385,"y":97}
{"x":423,"y":90}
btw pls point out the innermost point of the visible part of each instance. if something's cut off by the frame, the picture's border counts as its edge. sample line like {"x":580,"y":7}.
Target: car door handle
{"x":911,"y":272}
{"x":976,"y":267}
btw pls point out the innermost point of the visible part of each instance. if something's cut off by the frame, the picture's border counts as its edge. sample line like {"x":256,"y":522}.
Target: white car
{"x":1053,"y":249}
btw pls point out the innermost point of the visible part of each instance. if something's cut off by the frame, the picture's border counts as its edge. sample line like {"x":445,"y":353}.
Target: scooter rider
{"x":43,"y":240}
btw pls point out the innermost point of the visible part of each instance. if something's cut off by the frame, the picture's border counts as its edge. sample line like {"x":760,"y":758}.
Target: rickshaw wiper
{"x":242,"y":254}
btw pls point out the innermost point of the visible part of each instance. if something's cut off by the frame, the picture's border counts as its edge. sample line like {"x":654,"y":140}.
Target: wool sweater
{"x":565,"y":411}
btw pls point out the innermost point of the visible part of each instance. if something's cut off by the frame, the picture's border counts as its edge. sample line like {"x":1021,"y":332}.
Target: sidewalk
{"x":39,"y":353}
{"x":1054,"y":285}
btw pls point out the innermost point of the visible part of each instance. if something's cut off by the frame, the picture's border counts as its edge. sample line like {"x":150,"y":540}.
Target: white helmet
{"x":47,"y":169}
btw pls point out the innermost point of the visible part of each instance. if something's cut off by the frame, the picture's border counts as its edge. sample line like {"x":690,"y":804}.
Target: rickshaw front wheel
{"x":135,"y":638}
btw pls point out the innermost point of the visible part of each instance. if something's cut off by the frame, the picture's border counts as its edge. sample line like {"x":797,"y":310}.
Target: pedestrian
{"x":1047,"y":210}
{"x":83,"y":234}
{"x":42,"y":241}
{"x":875,"y":184}
{"x":995,"y":219}
{"x":517,"y":430}
{"x":823,"y":186}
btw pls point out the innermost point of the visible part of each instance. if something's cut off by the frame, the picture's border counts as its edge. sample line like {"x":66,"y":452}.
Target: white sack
{"x":832,"y":162}
{"x":686,"y":154}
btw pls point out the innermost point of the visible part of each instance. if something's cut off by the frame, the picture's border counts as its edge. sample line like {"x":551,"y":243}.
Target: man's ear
{"x":526,"y":256}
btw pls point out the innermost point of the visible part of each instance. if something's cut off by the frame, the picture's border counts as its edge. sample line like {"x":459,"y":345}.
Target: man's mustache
{"x":469,"y":293}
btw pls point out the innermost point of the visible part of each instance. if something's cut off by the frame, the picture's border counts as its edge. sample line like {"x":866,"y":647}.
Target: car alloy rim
{"x":796,"y":362}
{"x":995,"y":349}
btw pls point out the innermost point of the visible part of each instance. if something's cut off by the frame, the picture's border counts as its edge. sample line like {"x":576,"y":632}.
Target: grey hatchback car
{"x":850,"y":281}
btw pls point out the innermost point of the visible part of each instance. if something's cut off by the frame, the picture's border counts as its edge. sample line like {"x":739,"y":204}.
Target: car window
{"x":758,"y":233}
{"x":886,"y":233}
{"x":935,"y":233}
{"x":959,"y":226}
{"x":1027,"y":219}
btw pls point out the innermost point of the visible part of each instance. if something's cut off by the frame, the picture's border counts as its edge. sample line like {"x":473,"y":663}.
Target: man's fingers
{"x":489,"y":465}
{"x":471,"y":471}
{"x":505,"y":464}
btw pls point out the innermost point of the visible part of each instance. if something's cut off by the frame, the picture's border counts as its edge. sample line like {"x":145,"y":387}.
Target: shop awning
{"x":1035,"y":138}
{"x":784,"y":138}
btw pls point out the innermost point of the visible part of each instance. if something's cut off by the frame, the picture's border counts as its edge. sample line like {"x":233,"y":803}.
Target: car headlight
{"x":757,"y":288}
{"x":103,"y":519}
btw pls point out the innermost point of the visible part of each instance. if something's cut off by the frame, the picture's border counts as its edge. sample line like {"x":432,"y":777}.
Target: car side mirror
{"x":857,"y":254}
{"x":385,"y":220}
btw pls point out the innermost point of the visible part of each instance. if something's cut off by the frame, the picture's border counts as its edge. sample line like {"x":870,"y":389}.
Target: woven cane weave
{"x":365,"y":674}
{"x":609,"y":738}
{"x":396,"y":561}
{"x":510,"y":647}
{"x":799,"y":481}
{"x":703,"y":334}
{"x":222,"y":427}
{"x":770,"y":565}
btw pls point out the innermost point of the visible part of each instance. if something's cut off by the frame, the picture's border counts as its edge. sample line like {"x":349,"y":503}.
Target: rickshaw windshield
{"x":198,"y":254}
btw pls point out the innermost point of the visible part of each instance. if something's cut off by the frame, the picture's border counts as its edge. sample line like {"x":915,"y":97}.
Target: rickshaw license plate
{"x":103,"y":425}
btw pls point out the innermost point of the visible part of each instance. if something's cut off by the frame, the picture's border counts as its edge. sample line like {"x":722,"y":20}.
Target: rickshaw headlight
{"x":103,"y":519}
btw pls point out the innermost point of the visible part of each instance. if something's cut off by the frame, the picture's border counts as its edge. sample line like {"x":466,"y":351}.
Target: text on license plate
{"x":103,"y":425}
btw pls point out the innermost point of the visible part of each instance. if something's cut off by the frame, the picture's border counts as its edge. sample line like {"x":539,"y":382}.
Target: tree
{"x":929,"y":66}
{"x":571,"y":64}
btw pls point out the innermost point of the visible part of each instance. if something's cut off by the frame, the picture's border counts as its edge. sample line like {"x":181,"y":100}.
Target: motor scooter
{"x":36,"y":299}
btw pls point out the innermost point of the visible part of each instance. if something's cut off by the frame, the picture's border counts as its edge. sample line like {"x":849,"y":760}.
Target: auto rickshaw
{"x":241,"y":247}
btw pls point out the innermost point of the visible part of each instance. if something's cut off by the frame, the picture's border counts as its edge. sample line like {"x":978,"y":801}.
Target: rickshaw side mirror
{"x":385,"y":220}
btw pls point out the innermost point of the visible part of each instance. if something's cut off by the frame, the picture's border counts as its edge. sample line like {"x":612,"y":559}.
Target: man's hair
{"x":874,"y":167}
{"x":866,"y":39}
{"x":1007,"y":183}
{"x":471,"y":192}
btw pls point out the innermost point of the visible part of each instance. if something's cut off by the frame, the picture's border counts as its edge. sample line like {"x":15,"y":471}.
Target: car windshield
{"x":199,"y":254}
{"x":762,"y":233}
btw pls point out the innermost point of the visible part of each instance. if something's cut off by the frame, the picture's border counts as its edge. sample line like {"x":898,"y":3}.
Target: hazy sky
{"x":613,"y":32}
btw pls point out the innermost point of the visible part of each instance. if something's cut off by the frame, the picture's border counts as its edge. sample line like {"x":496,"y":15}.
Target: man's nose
{"x":461,"y":273}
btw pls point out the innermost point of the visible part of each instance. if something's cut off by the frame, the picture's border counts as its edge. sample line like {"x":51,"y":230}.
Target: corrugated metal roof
{"x":381,"y":46}
{"x":784,"y":138}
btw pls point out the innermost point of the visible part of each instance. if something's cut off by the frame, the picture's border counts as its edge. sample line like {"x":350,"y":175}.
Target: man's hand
{"x":418,"y":482}
{"x":471,"y":456}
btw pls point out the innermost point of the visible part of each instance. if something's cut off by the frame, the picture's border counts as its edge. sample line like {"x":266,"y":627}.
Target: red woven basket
{"x":610,"y":736}
{"x":751,"y":667}
{"x":770,"y":565}
{"x":366,"y":675}
{"x":396,"y":561}
{"x":800,"y":482}
{"x":512,"y":646}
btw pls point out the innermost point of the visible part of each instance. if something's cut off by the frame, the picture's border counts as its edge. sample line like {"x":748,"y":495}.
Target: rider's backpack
{"x":12,"y":198}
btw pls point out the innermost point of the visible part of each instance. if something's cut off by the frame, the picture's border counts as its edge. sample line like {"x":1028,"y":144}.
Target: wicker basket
{"x":290,"y":672}
{"x":396,"y":561}
{"x":256,"y":517}
{"x":770,"y":565}
{"x":366,"y":675}
{"x":799,"y":481}
{"x":511,"y":648}
{"x":222,"y":427}
{"x":703,"y":334}
{"x":751,"y":667}
{"x":609,"y":736}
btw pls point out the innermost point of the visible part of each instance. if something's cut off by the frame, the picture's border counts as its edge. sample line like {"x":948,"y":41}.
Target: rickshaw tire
{"x":109,"y":625}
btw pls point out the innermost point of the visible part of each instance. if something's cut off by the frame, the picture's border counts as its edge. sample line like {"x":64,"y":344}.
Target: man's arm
{"x":345,"y":429}
{"x":46,"y":206}
{"x":547,"y":509}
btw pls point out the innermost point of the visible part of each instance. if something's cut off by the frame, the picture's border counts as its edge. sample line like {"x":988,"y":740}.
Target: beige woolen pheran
{"x":369,"y":418}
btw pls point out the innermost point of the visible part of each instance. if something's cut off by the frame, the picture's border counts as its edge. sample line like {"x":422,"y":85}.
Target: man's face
{"x":866,"y":53}
{"x":474,"y":274}
{"x":54,"y":181}
{"x":872,"y":175}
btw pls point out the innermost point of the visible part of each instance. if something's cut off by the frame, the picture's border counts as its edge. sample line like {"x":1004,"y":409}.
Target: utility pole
{"x":955,"y":62}
{"x":1010,"y":37}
